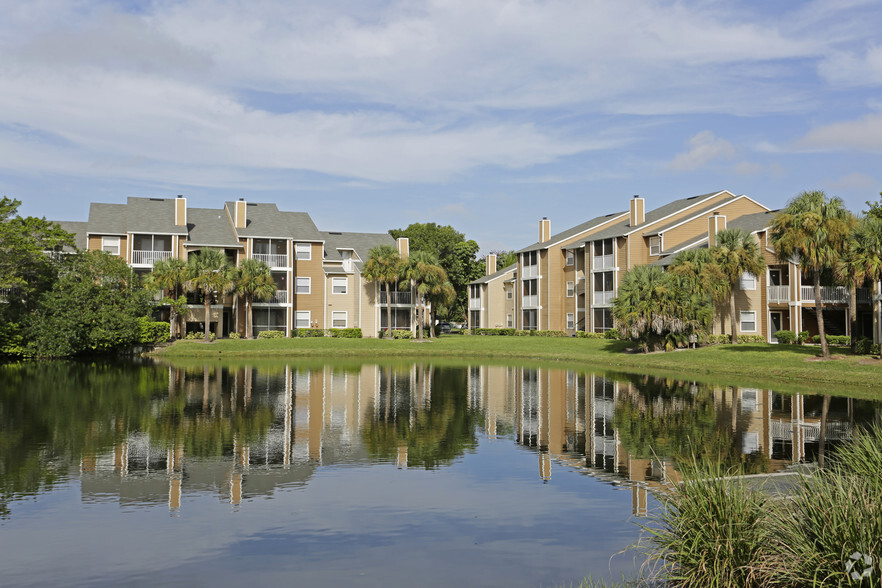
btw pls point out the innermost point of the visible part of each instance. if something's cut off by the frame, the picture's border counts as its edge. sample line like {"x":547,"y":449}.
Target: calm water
{"x":359,"y":474}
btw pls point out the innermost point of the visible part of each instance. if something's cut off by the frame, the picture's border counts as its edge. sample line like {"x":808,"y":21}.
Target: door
{"x":776,"y":323}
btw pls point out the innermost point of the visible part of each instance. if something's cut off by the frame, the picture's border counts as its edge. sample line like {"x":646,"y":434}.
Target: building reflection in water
{"x":240,"y":432}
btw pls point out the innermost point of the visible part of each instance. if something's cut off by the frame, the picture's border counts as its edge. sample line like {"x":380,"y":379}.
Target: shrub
{"x":549,"y":334}
{"x":235,"y":336}
{"x":345,"y":333}
{"x":785,"y":337}
{"x":498,"y":332}
{"x":865,"y":346}
{"x":307,"y":332}
{"x":200,"y":335}
{"x":721,"y":339}
{"x":587,"y":335}
{"x":152,"y":332}
{"x":519,"y":333}
{"x":804,"y":337}
{"x":271,"y":335}
{"x":612,"y":334}
{"x":751,"y":339}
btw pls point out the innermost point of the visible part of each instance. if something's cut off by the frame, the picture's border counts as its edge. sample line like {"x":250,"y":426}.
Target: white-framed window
{"x":571,"y":320}
{"x":571,"y":257}
{"x":302,"y":319}
{"x":110,"y":245}
{"x":302,"y":285}
{"x":655,"y":245}
{"x":571,"y":289}
{"x":303,"y":251}
{"x":748,"y":281}
{"x":338,"y":319}
{"x":509,"y":293}
{"x":509,"y":321}
{"x":748,"y":321}
{"x":339,"y":285}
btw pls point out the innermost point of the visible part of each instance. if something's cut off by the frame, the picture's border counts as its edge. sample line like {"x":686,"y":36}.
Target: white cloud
{"x":703,"y":148}
{"x":752,"y":168}
{"x":853,"y":68}
{"x":864,"y":134}
{"x":856,"y":181}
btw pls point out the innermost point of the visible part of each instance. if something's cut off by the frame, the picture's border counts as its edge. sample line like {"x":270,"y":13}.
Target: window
{"x":655,"y":245}
{"x":110,"y":245}
{"x":302,"y":285}
{"x":571,"y":321}
{"x":338,"y":319}
{"x":748,"y":281}
{"x":748,"y":321}
{"x":509,"y":293}
{"x":303,"y":251}
{"x":571,"y":289}
{"x":302,"y":319}
{"x":268,"y":319}
{"x":531,"y":320}
{"x":603,"y":320}
{"x":603,"y":254}
{"x":339,"y":285}
{"x":509,"y":321}
{"x":571,"y":257}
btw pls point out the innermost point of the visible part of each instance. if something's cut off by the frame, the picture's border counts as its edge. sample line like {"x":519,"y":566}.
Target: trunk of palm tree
{"x":732,"y":316}
{"x":421,"y":313}
{"x":822,"y":438}
{"x":249,"y":318}
{"x":819,"y":308}
{"x":388,"y":311}
{"x":207,"y":302}
{"x":852,"y":316}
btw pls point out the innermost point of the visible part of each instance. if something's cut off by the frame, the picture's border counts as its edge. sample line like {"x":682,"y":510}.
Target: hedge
{"x":344,"y":333}
{"x":152,"y":332}
{"x":307,"y":332}
{"x":271,"y":335}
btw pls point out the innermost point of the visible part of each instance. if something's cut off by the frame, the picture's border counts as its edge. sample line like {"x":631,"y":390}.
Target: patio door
{"x":776,"y":323}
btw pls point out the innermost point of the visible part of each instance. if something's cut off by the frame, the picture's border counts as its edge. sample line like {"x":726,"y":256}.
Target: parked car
{"x":444,"y":327}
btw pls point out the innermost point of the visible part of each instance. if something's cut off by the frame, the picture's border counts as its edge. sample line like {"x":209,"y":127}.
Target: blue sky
{"x":483,"y":114}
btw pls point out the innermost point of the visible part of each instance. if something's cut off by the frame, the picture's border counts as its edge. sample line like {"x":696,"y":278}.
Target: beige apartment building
{"x":318,"y":274}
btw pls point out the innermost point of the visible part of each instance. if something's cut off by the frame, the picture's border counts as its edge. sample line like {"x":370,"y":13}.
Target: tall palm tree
{"x":210,"y":274}
{"x":443,"y":294}
{"x":814,"y":230}
{"x":253,"y":280}
{"x":384,"y":265}
{"x":737,"y":252}
{"x":170,"y":275}
{"x":422,"y":270}
{"x":862,"y":261}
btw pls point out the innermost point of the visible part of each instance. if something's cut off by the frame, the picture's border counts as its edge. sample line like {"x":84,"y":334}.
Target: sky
{"x":486,"y":115}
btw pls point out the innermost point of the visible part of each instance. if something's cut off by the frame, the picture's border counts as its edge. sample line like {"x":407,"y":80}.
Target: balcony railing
{"x":530,"y":301}
{"x":272,"y":259}
{"x":474,"y":304}
{"x":142,"y":257}
{"x":603,"y":298}
{"x":530,"y":271}
{"x":779,"y":294}
{"x":833,"y":294}
{"x":397,"y":297}
{"x":280,"y":297}
{"x":602,"y":262}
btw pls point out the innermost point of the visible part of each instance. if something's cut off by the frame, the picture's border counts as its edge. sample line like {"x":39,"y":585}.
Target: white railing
{"x":397,"y":297}
{"x":272,"y":259}
{"x":280,"y":297}
{"x":602,"y":262}
{"x":140,"y":257}
{"x":530,"y":301}
{"x":603,"y":298}
{"x":779,"y":293}
{"x":474,"y":304}
{"x":828,"y":294}
{"x":530,"y":271}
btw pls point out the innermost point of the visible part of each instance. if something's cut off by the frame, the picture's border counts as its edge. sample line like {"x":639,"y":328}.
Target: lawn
{"x":785,"y":368}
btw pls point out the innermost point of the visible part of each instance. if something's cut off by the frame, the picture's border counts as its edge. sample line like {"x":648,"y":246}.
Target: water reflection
{"x":151,"y":434}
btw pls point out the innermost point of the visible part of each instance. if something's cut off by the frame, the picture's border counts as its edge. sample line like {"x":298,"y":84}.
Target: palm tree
{"x":443,"y":294}
{"x":423,"y":271}
{"x":737,"y":252}
{"x":211,"y":276}
{"x":814,"y":230}
{"x":861,"y":261}
{"x":384,"y":265}
{"x":170,"y":275}
{"x":253,"y":279}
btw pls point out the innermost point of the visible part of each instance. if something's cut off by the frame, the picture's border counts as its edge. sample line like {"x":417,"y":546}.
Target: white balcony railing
{"x":530,"y":301}
{"x":779,"y":294}
{"x":397,"y":297}
{"x":474,"y":304}
{"x":141,"y":257}
{"x":602,"y":262}
{"x":280,"y":297}
{"x":828,"y":294}
{"x":272,"y":259}
{"x":530,"y":271}
{"x":603,"y":298}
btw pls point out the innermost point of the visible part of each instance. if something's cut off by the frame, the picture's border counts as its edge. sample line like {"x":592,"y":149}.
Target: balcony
{"x":474,"y":304}
{"x":397,"y":297}
{"x":280,"y":297}
{"x":603,"y":298}
{"x":834,"y":294}
{"x":602,"y":262}
{"x":779,"y":294}
{"x":272,"y":259}
{"x":144,"y":257}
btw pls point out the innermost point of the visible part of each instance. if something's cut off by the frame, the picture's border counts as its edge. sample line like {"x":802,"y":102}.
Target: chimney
{"x":180,"y":211}
{"x":544,"y":229}
{"x":637,"y":211}
{"x":241,"y":215}
{"x":491,"y":263}
{"x":715,"y":223}
{"x":403,"y":247}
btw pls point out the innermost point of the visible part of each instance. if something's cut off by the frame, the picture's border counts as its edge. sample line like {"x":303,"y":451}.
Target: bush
{"x":549,"y":334}
{"x":804,"y":337}
{"x":785,"y":337}
{"x":271,"y":335}
{"x":200,"y":335}
{"x":587,"y":335}
{"x":152,"y":332}
{"x":612,"y":334}
{"x":345,"y":333}
{"x":307,"y":332}
{"x":751,"y":339}
{"x":235,"y":336}
{"x":497,"y":332}
{"x":722,"y":339}
{"x":865,"y":346}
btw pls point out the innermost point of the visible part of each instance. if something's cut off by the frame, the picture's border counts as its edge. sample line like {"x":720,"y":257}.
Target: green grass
{"x":784,"y":368}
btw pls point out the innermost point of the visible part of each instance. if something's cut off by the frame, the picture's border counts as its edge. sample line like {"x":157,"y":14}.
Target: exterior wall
{"x":347,"y":303}
{"x":314,"y":302}
{"x":370,"y":320}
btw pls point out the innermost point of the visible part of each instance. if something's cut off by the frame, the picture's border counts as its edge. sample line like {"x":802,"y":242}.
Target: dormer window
{"x":655,"y":245}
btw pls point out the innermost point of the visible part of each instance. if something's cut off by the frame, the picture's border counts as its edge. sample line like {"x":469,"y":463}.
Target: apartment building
{"x":494,"y":285}
{"x":318,"y":274}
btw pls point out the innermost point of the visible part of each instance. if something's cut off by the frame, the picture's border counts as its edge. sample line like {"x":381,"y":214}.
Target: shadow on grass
{"x":768,"y":348}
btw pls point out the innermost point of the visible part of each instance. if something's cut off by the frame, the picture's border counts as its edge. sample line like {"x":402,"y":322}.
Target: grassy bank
{"x":785,"y":368}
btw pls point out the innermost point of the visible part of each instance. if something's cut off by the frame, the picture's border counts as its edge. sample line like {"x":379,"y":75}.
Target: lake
{"x":361,"y":474}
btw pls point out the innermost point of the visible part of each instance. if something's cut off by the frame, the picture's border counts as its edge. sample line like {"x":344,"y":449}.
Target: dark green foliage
{"x":866,"y":347}
{"x":91,"y":308}
{"x":352,"y":333}
{"x":804,"y":337}
{"x":588,"y":335}
{"x":479,"y":331}
{"x":271,"y":335}
{"x":152,"y":332}
{"x":611,"y":334}
{"x":307,"y":332}
{"x":785,"y":337}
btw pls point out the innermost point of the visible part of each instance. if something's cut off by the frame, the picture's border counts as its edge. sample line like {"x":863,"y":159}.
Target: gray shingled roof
{"x":137,"y":215}
{"x":210,"y":227}
{"x":704,"y":211}
{"x":625,"y":228}
{"x":571,"y":232}
{"x":78,"y":228}
{"x":264,"y":219}
{"x":361,"y":243}
{"x":108,"y":219}
{"x":493,"y":276}
{"x":753,"y":222}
